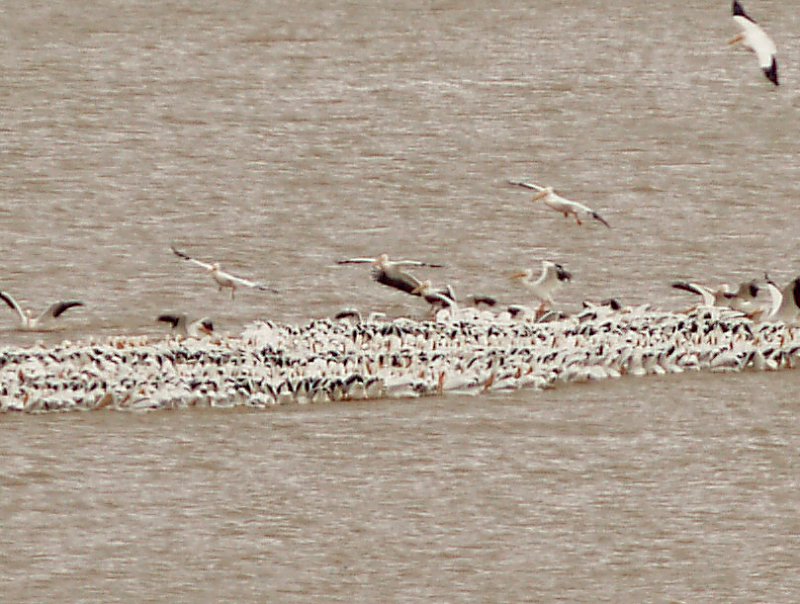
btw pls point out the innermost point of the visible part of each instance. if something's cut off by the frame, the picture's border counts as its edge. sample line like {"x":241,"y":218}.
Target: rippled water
{"x":277,"y":137}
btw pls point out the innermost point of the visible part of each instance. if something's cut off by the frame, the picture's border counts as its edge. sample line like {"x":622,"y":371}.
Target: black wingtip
{"x":171,"y":319}
{"x":738,"y":11}
{"x":772,"y":72}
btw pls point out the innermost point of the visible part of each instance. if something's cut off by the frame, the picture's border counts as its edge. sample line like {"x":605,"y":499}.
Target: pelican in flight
{"x":26,"y":319}
{"x":549,"y":281}
{"x":743,"y":299}
{"x":222,"y":278}
{"x":390,"y":272}
{"x":756,"y":40}
{"x":182,"y":326}
{"x":564,"y":206}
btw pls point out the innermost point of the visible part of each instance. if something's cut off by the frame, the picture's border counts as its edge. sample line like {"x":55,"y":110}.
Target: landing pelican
{"x":756,"y":40}
{"x":222,"y":278}
{"x":389,"y":272}
{"x":559,"y":204}
{"x":743,"y":299}
{"x":28,"y":322}
{"x":182,"y":326}
{"x":550,"y":280}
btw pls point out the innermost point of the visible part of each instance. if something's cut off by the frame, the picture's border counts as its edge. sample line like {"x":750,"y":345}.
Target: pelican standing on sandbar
{"x":755,"y":39}
{"x":549,"y":281}
{"x":221,"y":278}
{"x":564,"y":206}
{"x":28,"y":322}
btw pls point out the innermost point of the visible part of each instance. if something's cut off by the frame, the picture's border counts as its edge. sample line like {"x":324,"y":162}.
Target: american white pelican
{"x":559,"y":204}
{"x":221,"y":278}
{"x":26,"y":319}
{"x":543,"y":288}
{"x":743,"y":299}
{"x":756,"y":40}
{"x":181,"y":325}
{"x":389,"y":272}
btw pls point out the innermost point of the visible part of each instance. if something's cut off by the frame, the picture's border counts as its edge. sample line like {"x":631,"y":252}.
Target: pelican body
{"x":549,"y":281}
{"x":560,"y":204}
{"x":755,"y":39}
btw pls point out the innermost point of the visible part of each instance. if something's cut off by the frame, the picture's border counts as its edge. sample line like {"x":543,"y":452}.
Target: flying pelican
{"x":756,"y":40}
{"x":559,"y":204}
{"x":389,"y":272}
{"x":26,"y":319}
{"x":743,"y":299}
{"x":182,"y":326}
{"x":222,"y":278}
{"x":549,"y":281}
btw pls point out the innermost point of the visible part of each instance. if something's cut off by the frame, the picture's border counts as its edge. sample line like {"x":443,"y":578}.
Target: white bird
{"x":26,"y":319}
{"x":182,"y":326}
{"x":743,"y":299}
{"x":549,"y":281}
{"x":564,"y":206}
{"x":755,"y":39}
{"x":221,"y":278}
{"x":389,"y":272}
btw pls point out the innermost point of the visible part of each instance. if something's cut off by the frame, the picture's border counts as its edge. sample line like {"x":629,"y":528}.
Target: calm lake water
{"x":277,"y":137}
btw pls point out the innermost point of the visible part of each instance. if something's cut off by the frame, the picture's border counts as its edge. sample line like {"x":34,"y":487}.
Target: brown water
{"x":277,"y":137}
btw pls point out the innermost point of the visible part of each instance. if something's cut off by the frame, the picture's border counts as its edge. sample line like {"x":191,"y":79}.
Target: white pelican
{"x":548,"y":282}
{"x":389,"y":272}
{"x":26,"y":319}
{"x":756,"y":40}
{"x":559,"y":204}
{"x":743,"y":299}
{"x":222,"y":278}
{"x":181,"y":325}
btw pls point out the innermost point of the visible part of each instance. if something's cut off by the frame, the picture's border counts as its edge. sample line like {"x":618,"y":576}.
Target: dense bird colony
{"x":332,"y":360}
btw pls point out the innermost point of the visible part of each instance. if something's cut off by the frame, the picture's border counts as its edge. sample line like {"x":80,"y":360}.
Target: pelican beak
{"x":540,"y":195}
{"x":417,"y":290}
{"x":518,"y":276}
{"x":736,"y":40}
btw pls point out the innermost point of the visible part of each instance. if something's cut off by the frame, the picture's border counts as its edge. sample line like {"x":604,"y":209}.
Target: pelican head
{"x":215,"y":268}
{"x":381,"y":261}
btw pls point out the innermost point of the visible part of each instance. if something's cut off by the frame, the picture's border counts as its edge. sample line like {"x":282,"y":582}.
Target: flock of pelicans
{"x":470,"y":347}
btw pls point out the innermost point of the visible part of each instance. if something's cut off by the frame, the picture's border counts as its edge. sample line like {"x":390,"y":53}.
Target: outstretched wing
{"x":173,"y":320}
{"x":526,"y":185}
{"x":12,"y":303}
{"x":708,"y":296}
{"x":188,"y":258}
{"x":56,"y":310}
{"x":416,"y":263}
{"x":356,"y":261}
